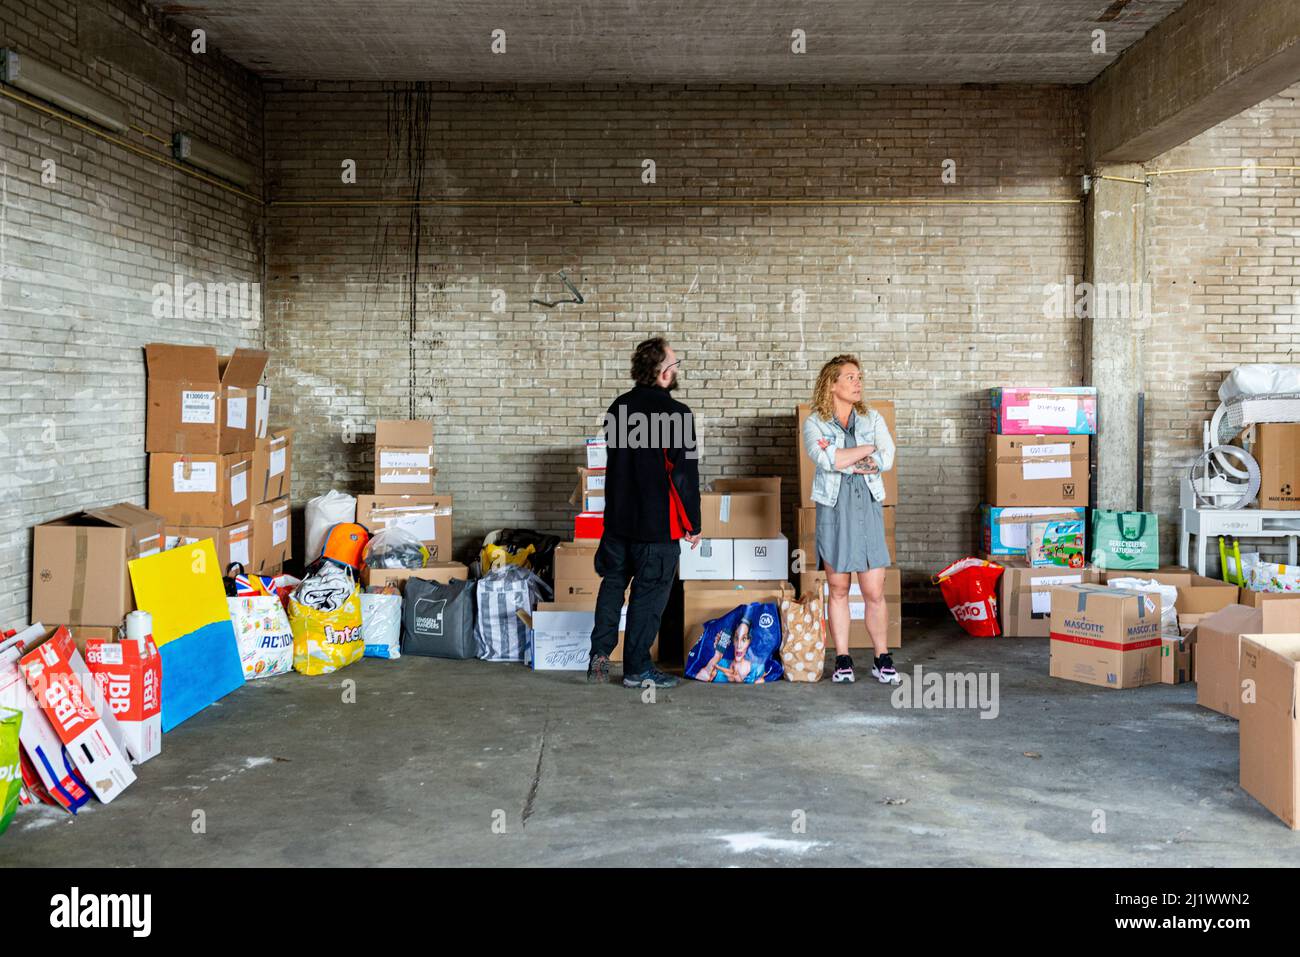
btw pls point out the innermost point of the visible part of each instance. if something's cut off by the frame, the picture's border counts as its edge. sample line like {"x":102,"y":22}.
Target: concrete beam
{"x":1204,"y":63}
{"x":1115,"y":258}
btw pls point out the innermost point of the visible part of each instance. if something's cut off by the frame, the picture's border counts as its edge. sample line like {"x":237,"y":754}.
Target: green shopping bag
{"x":11,"y":774}
{"x":1125,"y":540}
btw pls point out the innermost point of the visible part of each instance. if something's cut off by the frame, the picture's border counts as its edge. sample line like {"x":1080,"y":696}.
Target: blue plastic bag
{"x":741,"y":647}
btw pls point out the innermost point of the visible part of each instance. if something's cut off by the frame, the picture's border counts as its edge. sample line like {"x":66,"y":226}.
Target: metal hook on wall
{"x":549,"y":304}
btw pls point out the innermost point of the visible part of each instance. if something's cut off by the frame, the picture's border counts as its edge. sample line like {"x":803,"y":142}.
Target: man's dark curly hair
{"x":647,"y":359}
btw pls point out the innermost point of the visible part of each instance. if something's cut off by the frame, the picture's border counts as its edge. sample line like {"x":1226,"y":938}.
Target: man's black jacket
{"x":639,"y":427}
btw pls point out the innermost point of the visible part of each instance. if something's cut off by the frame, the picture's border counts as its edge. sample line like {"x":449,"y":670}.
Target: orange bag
{"x":344,"y":544}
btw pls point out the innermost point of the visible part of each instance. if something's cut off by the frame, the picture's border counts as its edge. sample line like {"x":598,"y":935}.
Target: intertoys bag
{"x":970,"y":587}
{"x":11,"y":772}
{"x":381,"y":625}
{"x":325,"y":617}
{"x":263,"y":634}
{"x":1125,"y":540}
{"x":499,"y":633}
{"x":803,"y":649}
{"x":438,"y":620}
{"x":741,"y":647}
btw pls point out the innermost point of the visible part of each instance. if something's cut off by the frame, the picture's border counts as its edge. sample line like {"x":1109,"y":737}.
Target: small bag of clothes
{"x":395,"y":547}
{"x":325,"y":617}
{"x":741,"y":647}
{"x":499,"y":632}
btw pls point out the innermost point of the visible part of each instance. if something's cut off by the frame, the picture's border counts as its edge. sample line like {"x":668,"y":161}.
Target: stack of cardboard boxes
{"x":811,"y":578}
{"x":1037,"y":470}
{"x":404,"y":498}
{"x":589,"y":523}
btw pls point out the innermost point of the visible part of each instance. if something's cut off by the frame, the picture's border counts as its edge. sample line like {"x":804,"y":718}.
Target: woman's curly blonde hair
{"x":822,"y":403}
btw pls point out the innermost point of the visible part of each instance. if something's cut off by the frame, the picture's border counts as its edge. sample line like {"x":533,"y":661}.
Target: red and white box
{"x":130,"y":678}
{"x":54,"y":672}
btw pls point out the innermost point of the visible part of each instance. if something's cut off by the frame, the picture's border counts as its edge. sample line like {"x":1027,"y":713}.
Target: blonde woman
{"x":851,"y":446}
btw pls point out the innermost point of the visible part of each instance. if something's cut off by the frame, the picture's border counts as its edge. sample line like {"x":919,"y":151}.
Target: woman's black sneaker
{"x":883,"y":669}
{"x":843,"y":669}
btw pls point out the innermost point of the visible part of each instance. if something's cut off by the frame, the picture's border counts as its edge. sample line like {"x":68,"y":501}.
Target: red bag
{"x":970,"y":587}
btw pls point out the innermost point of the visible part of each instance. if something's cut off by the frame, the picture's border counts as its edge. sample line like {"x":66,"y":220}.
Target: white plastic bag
{"x":381,"y":625}
{"x":395,"y":547}
{"x":1270,"y":576}
{"x":324,"y":512}
{"x":263,"y":634}
{"x":1168,"y":601}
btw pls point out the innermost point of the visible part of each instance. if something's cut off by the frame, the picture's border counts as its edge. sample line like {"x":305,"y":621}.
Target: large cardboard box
{"x":201,"y":489}
{"x":1258,"y":599}
{"x":404,"y":457}
{"x":233,"y":543}
{"x":79,"y":564}
{"x":1025,"y":595}
{"x":811,"y":582}
{"x":272,"y":543}
{"x":129,"y":676}
{"x":1218,"y":649}
{"x":428,"y":517}
{"x":198,"y":403}
{"x":705,"y":600}
{"x":1071,"y":410}
{"x":1270,"y":729}
{"x":575,"y":572}
{"x":1037,"y":470}
{"x":742,"y":508}
{"x":806,"y":468}
{"x":1005,"y":531}
{"x":1277,"y":450}
{"x":440,"y":572}
{"x":272,"y":466}
{"x":760,"y":559}
{"x":1105,"y":636}
{"x":712,"y":559}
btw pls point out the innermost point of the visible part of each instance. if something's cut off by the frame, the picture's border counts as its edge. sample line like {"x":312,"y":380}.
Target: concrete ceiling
{"x":674,"y":41}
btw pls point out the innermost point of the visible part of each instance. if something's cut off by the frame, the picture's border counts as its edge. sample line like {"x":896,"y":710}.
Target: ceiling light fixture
{"x":43,"y":81}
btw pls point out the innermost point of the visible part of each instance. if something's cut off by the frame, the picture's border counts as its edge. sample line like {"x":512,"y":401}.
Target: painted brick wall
{"x":1222,"y":257}
{"x":79,"y":258}
{"x":940,"y":302}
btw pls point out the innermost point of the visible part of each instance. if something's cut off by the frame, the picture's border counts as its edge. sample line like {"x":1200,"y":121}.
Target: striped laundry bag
{"x":499,"y":632}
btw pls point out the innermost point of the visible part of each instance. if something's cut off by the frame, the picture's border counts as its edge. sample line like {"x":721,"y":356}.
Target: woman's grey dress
{"x":851,"y":535}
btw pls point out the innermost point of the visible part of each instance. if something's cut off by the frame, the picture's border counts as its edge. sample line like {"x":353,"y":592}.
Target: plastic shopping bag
{"x":803,"y":649}
{"x":1168,"y":597}
{"x":1125,"y":540}
{"x":263,"y":634}
{"x":970,"y":587}
{"x":381,"y":625}
{"x":741,"y":647}
{"x":325,"y":617}
{"x":1270,"y":576}
{"x":11,"y":773}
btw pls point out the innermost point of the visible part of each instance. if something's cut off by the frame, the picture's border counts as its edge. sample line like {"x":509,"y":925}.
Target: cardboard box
{"x":712,"y":559}
{"x":1176,"y":659}
{"x":1105,"y":636}
{"x":272,"y":541}
{"x":1044,"y":411}
{"x":272,"y":466}
{"x":1005,"y":531}
{"x":705,"y":600}
{"x":440,"y":572}
{"x":591,"y":481}
{"x":566,"y":646}
{"x":233,"y":543}
{"x":1218,"y":649}
{"x":589,"y":525}
{"x":1258,"y":599}
{"x":760,"y":559}
{"x":815,"y":581}
{"x":428,"y":517}
{"x":575,"y":572}
{"x":1270,"y":738}
{"x":742,"y":508}
{"x":597,"y":453}
{"x":1277,"y":450}
{"x":199,"y":404}
{"x":806,"y":468}
{"x":1197,"y":595}
{"x":404,"y":457}
{"x":61,"y":684}
{"x":1025,"y":595}
{"x":1036,"y":470}
{"x":130,"y":682}
{"x":201,"y":489}
{"x":79,"y":563}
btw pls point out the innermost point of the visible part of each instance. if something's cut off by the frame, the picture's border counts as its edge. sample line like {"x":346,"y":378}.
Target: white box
{"x":711,"y":560}
{"x":561,"y":640}
{"x":761,"y":559}
{"x":597,"y":454}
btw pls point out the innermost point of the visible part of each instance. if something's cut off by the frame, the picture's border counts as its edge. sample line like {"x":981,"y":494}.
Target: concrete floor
{"x":414,"y":772}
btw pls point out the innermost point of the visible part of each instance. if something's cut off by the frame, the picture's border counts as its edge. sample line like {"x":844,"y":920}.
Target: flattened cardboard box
{"x":1036,"y":470}
{"x":272,"y":541}
{"x":198,"y":403}
{"x":1025,"y":595}
{"x":404,"y":457}
{"x":272,"y":466}
{"x":1270,"y":732}
{"x":210,"y":490}
{"x":79,"y":563}
{"x":806,"y":468}
{"x":742,"y":508}
{"x":1218,"y":649}
{"x":813,"y":582}
{"x":428,"y":517}
{"x":233,"y":543}
{"x":1105,"y":636}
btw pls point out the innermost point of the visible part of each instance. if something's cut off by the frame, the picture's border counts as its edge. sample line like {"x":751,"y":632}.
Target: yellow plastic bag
{"x":494,"y":556}
{"x":325,"y":641}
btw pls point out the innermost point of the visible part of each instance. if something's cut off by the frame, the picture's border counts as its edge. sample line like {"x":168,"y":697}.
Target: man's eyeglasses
{"x":675,"y":362}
